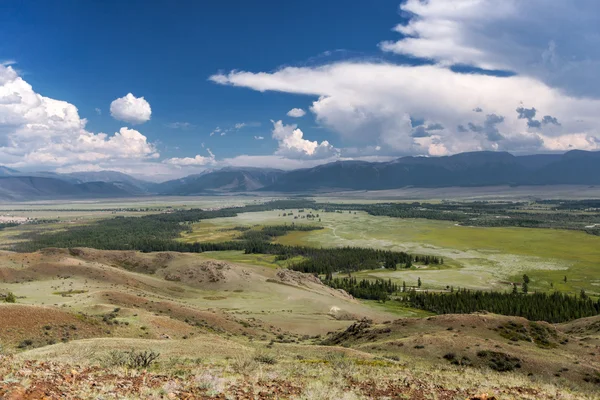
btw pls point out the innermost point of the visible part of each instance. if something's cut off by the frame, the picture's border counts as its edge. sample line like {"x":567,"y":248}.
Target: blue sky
{"x":360,"y":70}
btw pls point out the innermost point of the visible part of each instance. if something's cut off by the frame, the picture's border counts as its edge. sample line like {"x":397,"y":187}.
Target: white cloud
{"x":196,"y":161}
{"x":293,"y":145}
{"x":296,"y":113}
{"x":240,"y":125}
{"x":513,"y":35}
{"x":135,"y":110}
{"x":259,"y":137}
{"x":375,"y":102}
{"x":179,"y":125}
{"x":98,"y":111}
{"x":556,"y":73}
{"x":40,"y":132}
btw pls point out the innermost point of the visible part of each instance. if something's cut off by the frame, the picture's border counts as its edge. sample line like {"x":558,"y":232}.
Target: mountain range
{"x":483,"y":168}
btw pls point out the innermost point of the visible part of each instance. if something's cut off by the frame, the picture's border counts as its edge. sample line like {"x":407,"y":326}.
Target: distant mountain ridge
{"x":482,"y":168}
{"x":226,"y":180}
{"x":464,"y":169}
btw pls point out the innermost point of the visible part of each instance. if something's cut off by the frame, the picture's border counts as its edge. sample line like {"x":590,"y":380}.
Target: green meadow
{"x":475,"y":257}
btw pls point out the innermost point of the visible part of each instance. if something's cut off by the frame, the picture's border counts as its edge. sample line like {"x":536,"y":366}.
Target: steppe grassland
{"x":66,"y":214}
{"x":475,"y":257}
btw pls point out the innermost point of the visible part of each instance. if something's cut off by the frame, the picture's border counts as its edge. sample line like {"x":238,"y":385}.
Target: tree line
{"x":555,"y":307}
{"x":377,"y":289}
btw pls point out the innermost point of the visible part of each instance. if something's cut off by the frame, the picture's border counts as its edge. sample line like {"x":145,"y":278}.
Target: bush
{"x":243,"y":364}
{"x":450,"y":356}
{"x":25,"y":343}
{"x":500,"y":362}
{"x":10,"y":298}
{"x":265,"y":359}
{"x":135,"y":359}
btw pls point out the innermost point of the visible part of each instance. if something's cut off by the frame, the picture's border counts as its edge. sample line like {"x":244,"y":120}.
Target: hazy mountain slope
{"x":109,"y":176}
{"x":465,"y":169}
{"x":223,"y":180}
{"x":575,"y":167}
{"x":484,"y":168}
{"x":5,"y":171}
{"x":30,"y":187}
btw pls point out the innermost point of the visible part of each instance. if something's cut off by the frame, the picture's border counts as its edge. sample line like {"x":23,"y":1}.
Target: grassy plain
{"x":475,"y":257}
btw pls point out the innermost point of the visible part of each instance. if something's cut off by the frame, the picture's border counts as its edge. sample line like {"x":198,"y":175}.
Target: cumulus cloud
{"x":10,"y":98}
{"x":198,"y":160}
{"x":135,"y":110}
{"x":37,"y":131}
{"x":296,"y":113}
{"x":380,"y":102}
{"x":293,"y":145}
{"x":368,"y":101}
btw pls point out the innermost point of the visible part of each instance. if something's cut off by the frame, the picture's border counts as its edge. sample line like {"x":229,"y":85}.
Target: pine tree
{"x":419,"y":282}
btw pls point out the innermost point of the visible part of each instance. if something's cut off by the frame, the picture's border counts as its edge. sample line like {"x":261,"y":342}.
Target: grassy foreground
{"x":278,"y":372}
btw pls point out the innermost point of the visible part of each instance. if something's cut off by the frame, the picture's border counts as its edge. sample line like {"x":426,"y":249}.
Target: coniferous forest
{"x":555,"y":307}
{"x":378,"y":289}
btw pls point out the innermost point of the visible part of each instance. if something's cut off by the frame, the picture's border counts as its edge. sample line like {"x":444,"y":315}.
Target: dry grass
{"x":242,"y":377}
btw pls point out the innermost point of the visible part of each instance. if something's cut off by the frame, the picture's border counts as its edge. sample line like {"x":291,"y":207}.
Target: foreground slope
{"x":227,"y":330}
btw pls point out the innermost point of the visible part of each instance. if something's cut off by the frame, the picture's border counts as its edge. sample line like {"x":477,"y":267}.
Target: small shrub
{"x":10,"y":298}
{"x":142,"y":359}
{"x":25,"y":343}
{"x":449,"y":356}
{"x":135,"y":359}
{"x":500,"y":362}
{"x":265,"y":359}
{"x":243,"y":364}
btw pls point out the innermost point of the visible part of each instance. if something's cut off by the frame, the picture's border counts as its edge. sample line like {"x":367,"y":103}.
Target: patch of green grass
{"x":397,"y":308}
{"x":264,"y":260}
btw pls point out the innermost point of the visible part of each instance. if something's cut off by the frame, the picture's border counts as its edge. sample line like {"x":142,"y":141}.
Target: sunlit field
{"x":475,"y":257}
